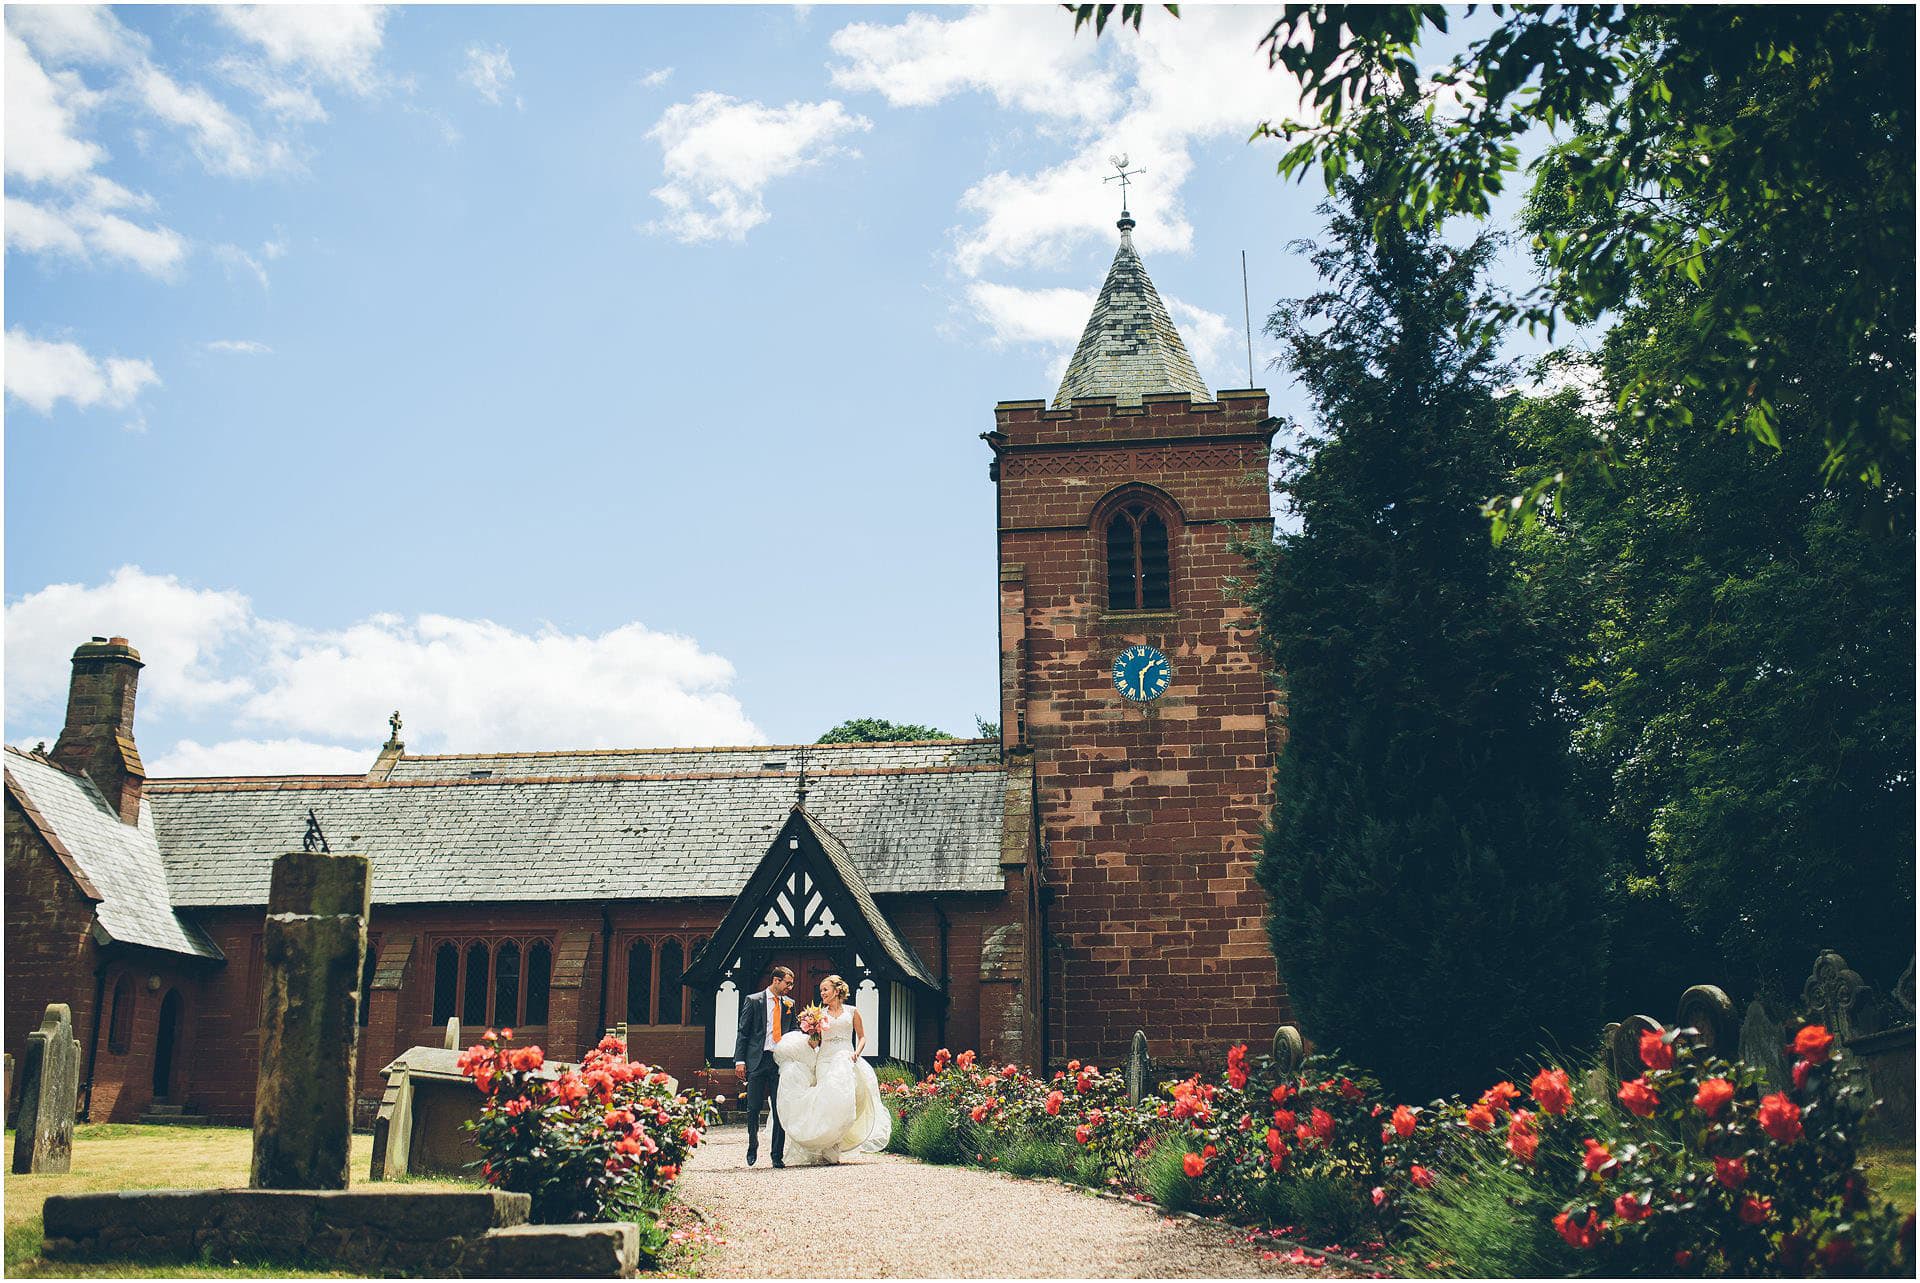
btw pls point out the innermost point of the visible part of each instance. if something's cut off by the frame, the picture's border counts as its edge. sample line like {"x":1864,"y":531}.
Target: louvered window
{"x":1138,"y":576}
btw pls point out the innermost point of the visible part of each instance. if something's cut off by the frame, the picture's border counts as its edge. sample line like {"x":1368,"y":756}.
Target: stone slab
{"x":608,"y":1250}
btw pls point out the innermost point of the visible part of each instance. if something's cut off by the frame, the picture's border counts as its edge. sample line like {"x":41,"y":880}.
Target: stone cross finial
{"x":393,"y":723}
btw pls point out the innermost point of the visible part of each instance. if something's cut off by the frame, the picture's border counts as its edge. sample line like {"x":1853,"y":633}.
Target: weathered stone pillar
{"x":316,"y":939}
{"x":453,"y":1034}
{"x":1138,"y":1067}
{"x":49,"y":1081}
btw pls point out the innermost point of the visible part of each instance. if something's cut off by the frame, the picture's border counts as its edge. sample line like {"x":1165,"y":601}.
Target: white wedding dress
{"x":829,"y":1100}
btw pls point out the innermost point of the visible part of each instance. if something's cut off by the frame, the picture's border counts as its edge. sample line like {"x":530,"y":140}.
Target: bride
{"x":829,"y":1098}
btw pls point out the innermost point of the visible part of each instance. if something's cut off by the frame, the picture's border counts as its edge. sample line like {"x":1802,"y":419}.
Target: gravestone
{"x":316,"y":939}
{"x":1289,"y":1049}
{"x":453,"y":1034}
{"x":1707,"y":1010}
{"x":1137,"y":1067}
{"x":1831,"y":994}
{"x":1763,"y":1043}
{"x":1623,"y":1047}
{"x":49,"y":1082}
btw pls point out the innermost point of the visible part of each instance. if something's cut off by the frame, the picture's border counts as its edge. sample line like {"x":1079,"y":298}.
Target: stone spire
{"x":1130,"y":347}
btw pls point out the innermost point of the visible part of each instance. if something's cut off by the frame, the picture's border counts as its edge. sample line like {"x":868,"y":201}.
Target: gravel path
{"x":914,"y":1220}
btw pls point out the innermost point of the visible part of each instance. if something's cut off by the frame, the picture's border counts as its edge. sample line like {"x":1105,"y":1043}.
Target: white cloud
{"x":317,"y":699}
{"x":224,"y":142}
{"x":1047,"y":317}
{"x":41,"y":373}
{"x":1214,"y":342}
{"x":338,"y":43}
{"x":260,"y":757}
{"x":657,"y":77}
{"x":83,"y":230}
{"x":177,"y":629}
{"x":43,"y":142}
{"x":490,"y":71}
{"x":245,"y":347}
{"x":719,"y":153}
{"x":1025,"y":60}
{"x":1151,"y":97}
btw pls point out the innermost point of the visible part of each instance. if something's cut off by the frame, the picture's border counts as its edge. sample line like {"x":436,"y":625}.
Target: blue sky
{"x":577,"y":376}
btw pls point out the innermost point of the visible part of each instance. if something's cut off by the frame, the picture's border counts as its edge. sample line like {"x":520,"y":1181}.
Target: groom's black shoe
{"x":752,"y":1159}
{"x":778,"y":1163}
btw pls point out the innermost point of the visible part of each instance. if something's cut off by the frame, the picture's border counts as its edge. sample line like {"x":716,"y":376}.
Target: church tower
{"x":1116,"y":508}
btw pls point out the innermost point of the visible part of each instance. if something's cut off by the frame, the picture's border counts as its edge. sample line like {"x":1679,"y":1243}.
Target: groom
{"x":764,"y":1016}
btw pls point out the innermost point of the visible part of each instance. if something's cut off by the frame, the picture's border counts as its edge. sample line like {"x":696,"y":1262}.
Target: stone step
{"x":153,"y":1118}
{"x":162,"y":1107}
{"x":607,"y":1250}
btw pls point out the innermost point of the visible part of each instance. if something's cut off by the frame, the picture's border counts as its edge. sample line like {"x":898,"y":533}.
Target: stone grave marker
{"x":1137,"y":1067}
{"x":1289,"y":1049}
{"x":49,"y":1082}
{"x":1707,"y":1009}
{"x":316,"y":938}
{"x":453,"y":1034}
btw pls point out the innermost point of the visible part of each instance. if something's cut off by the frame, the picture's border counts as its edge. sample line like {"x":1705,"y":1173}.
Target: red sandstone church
{"x":1037,"y":897}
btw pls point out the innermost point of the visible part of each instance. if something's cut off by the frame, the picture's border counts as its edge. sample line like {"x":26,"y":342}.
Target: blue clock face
{"x":1141,"y":673}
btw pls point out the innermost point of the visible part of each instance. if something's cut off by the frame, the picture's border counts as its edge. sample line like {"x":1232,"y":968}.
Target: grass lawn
{"x":114,"y":1156}
{"x":1890,"y":1173}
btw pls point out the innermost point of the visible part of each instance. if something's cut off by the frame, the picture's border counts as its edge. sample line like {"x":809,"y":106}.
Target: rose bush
{"x":603,"y":1141}
{"x":1693,"y":1167}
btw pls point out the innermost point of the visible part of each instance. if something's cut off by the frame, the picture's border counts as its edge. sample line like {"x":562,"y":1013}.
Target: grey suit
{"x":763,"y":1076}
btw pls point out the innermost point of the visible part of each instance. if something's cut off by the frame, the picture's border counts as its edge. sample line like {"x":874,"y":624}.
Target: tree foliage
{"x":878,"y":730}
{"x":1434,"y":889}
{"x":1732,"y":148}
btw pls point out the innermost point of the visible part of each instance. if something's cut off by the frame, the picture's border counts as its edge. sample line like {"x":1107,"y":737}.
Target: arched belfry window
{"x":1138,"y":571}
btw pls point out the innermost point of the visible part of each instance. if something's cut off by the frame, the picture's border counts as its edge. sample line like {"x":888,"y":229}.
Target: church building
{"x":1037,"y":897}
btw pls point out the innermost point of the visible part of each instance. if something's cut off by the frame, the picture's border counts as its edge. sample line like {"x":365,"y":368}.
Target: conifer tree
{"x":1434,"y":889}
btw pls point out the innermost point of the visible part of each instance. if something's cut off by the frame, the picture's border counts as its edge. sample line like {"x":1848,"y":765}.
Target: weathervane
{"x":1124,"y":178}
{"x":315,"y":839}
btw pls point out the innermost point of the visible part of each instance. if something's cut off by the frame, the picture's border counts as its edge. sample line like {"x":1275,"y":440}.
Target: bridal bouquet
{"x":813,"y":1022}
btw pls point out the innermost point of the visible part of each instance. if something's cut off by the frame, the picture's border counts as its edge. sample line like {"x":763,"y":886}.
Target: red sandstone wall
{"x":50,"y":956}
{"x":1151,"y":817}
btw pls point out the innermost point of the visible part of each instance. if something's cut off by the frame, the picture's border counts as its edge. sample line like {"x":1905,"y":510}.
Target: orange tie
{"x":776,"y":1017}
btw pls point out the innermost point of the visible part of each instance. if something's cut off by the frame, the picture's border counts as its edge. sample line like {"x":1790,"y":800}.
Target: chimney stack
{"x":97,"y":740}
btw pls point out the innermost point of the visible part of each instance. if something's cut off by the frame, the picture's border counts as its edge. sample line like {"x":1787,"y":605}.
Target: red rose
{"x":1640,"y":1099}
{"x":1838,"y":1257}
{"x":1276,"y":1160}
{"x":1054,"y":1099}
{"x":1303,"y":1134}
{"x":1208,"y":1153}
{"x":1780,"y":1118}
{"x":691,"y":1137}
{"x":1598,"y":1158}
{"x":669,"y":1171}
{"x":1480,"y":1118}
{"x":528,"y":1059}
{"x":1813,"y":1044}
{"x":1553,"y":1090}
{"x":1083,"y":1133}
{"x":1379,"y":1196}
{"x":1731,"y":1172}
{"x":1801,"y":1068}
{"x":1322,"y":1124}
{"x":1655,"y":1051}
{"x":1580,"y":1233}
{"x":1193,"y":1164}
{"x":1237,"y":1066}
{"x":1421,"y":1176}
{"x":1713,"y":1095}
{"x":1755,"y":1211}
{"x":1629,"y":1208}
{"x":1350,"y":1091}
{"x":1522,"y":1139}
{"x":1276,"y":1144}
{"x":979,"y":1113}
{"x":964,"y":1060}
{"x":1280,"y":1093}
{"x":1073,"y":1066}
{"x":1404,"y":1121}
{"x":1500,"y":1097}
{"x":1285,"y":1119}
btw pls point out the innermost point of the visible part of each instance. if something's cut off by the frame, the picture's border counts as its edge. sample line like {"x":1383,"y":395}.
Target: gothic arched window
{"x":1138,"y":575}
{"x":539,"y":978}
{"x":639,"y":983}
{"x":506,"y":984}
{"x":473,"y":1001}
{"x":446,"y":981}
{"x":670,"y":968}
{"x":120,"y":1023}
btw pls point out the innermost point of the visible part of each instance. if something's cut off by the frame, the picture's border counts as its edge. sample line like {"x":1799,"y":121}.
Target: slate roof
{"x":898,"y":951}
{"x":1129,"y":347}
{"x":117,"y":864}
{"x":913,"y":818}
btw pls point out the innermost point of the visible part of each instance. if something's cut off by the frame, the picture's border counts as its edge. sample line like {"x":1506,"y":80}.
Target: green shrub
{"x":1037,"y":1158}
{"x":933,"y":1136}
{"x":896,"y":1071}
{"x":1490,"y":1221}
{"x":1163,"y":1176}
{"x":1321,"y":1206}
{"x":1089,"y":1170}
{"x":897,"y":1138}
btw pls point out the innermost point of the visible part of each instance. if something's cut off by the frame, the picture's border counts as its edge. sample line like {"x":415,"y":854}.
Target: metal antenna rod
{"x":1246,"y":304}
